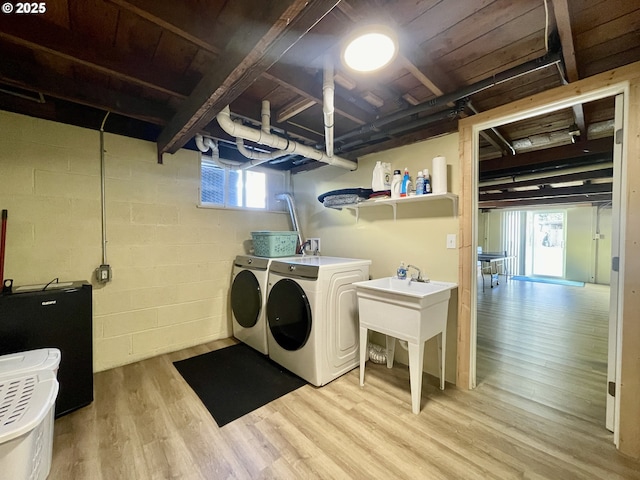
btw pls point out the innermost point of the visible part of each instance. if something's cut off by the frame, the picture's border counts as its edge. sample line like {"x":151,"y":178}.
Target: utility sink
{"x":408,"y":310}
{"x":406,"y":292}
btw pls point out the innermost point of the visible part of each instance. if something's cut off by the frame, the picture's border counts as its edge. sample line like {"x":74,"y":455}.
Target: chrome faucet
{"x":419,"y":277}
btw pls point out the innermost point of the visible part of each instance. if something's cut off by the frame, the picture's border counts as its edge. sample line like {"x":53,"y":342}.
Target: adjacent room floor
{"x":146,"y":423}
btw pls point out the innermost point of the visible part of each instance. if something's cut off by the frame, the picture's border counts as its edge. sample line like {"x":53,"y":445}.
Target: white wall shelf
{"x":394,"y":202}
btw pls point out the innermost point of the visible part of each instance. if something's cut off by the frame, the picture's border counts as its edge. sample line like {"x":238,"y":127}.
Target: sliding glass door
{"x":546,"y":241}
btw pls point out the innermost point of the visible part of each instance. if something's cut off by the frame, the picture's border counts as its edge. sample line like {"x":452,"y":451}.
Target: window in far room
{"x":225,"y":187}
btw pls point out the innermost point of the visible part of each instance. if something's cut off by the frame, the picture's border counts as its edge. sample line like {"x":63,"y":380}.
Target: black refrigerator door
{"x":56,"y":318}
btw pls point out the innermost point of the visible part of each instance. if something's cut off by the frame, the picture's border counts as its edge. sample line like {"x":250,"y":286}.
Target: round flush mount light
{"x":370,"y":48}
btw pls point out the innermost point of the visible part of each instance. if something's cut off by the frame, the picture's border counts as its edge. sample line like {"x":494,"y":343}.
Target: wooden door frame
{"x":624,"y":80}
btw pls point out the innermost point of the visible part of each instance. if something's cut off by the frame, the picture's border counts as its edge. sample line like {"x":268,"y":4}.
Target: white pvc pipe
{"x":204,"y":144}
{"x":256,"y":158}
{"x":274,"y":141}
{"x":328,"y":108}
{"x":266,"y":116}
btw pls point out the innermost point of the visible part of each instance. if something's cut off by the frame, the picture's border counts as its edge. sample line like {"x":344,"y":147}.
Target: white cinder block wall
{"x":171,"y":261}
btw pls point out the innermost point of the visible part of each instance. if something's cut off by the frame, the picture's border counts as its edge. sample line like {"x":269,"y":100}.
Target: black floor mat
{"x":236,"y":380}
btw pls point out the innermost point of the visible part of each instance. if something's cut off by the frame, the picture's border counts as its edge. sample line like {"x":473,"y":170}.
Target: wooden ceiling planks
{"x":94,"y":20}
{"x":280,"y":26}
{"x":157,"y":52}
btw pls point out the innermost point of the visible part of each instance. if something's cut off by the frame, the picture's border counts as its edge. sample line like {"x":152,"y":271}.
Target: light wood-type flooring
{"x":533,"y":414}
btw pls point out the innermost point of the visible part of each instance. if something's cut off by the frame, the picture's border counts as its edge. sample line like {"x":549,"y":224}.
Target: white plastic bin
{"x":26,"y":424}
{"x":31,"y":361}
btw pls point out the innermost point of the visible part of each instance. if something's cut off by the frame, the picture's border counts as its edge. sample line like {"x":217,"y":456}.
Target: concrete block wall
{"x":171,"y":260}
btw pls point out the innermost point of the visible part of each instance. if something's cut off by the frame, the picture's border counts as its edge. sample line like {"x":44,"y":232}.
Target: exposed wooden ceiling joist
{"x":186,"y":22}
{"x":506,"y":166}
{"x":254,"y":48}
{"x":548,"y":192}
{"x":294,"y":108}
{"x":18,"y":74}
{"x":569,"y":177}
{"x":539,"y":202}
{"x":41,"y":36}
{"x":306,"y":86}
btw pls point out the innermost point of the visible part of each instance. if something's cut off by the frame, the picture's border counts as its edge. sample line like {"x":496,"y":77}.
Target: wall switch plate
{"x":451,"y":240}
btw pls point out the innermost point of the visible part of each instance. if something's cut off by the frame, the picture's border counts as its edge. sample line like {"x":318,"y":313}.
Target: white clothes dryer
{"x":312,"y":315}
{"x":248,"y":300}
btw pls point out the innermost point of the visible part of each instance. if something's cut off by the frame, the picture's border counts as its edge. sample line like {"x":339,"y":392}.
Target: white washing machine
{"x":312,"y":315}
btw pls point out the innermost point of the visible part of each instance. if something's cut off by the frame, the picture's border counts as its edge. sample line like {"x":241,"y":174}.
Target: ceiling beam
{"x":185,"y":22}
{"x":575,"y":199}
{"x":258,"y":43}
{"x":515,"y":164}
{"x":306,"y":86}
{"x":18,"y":74}
{"x":33,"y":32}
{"x":548,"y":192}
{"x":569,"y":177}
{"x":563,"y":21}
{"x":293,"y":108}
{"x":421,"y":77}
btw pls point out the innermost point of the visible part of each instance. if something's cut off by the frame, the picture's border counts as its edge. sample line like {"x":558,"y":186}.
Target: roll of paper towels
{"x":439,"y":175}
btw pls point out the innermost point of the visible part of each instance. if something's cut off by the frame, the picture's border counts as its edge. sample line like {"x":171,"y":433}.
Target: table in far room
{"x":491,"y":263}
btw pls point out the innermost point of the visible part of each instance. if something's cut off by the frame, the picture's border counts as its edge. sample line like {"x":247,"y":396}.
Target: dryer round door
{"x":246,"y":299}
{"x":289,"y":314}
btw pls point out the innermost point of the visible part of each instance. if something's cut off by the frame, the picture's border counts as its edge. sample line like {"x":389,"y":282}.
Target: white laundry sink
{"x":405,"y":292}
{"x":408,"y":310}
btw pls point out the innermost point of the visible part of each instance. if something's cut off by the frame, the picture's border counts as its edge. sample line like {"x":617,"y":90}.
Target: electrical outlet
{"x":451,"y":240}
{"x":103,"y":273}
{"x":314,"y":245}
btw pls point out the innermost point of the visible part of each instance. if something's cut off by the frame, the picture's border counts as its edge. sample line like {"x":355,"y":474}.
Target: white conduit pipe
{"x":328,"y":108}
{"x":268,"y":139}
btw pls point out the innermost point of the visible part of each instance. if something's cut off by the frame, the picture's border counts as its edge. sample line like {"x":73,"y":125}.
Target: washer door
{"x":289,"y":314}
{"x":246,"y":298}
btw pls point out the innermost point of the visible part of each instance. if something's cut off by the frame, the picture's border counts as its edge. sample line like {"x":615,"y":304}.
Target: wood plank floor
{"x":146,"y":423}
{"x":546,"y":343}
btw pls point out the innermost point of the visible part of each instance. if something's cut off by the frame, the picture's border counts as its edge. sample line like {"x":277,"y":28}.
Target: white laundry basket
{"x":31,"y":361}
{"x":28,"y":391}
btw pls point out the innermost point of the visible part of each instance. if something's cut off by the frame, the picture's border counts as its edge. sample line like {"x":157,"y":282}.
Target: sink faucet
{"x":419,"y":277}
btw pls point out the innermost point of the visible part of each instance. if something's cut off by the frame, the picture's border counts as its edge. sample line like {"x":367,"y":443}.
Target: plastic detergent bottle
{"x":402,"y":271}
{"x":420,"y":183}
{"x":427,"y":181}
{"x":406,"y":183}
{"x":377,"y":182}
{"x":386,"y":168}
{"x":396,"y":183}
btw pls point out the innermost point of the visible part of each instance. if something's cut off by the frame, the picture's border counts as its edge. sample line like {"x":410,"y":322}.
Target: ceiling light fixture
{"x":370,"y":48}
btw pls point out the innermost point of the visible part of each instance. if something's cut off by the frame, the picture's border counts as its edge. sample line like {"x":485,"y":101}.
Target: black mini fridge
{"x":59,"y":316}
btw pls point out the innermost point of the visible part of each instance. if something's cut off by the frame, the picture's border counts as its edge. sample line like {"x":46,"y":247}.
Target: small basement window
{"x":225,"y":187}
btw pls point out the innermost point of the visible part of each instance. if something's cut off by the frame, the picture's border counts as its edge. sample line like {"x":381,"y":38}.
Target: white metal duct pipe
{"x":328,"y":108}
{"x":290,"y":146}
{"x":266,"y":116}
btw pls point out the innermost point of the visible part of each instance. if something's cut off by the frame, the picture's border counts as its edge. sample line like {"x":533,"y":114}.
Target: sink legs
{"x":416,"y":362}
{"x":391,"y":349}
{"x":364,"y":352}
